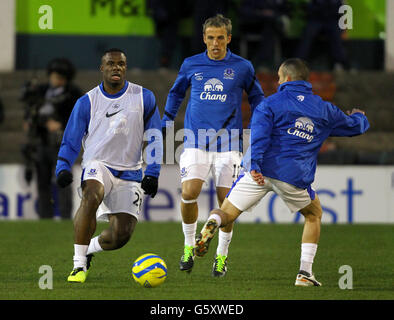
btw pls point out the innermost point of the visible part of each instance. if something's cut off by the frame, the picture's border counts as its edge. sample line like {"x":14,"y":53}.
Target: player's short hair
{"x":296,"y":69}
{"x":114,"y":50}
{"x":218,"y":21}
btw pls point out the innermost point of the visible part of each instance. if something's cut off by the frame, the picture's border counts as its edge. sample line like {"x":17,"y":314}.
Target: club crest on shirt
{"x":229,"y":74}
{"x":183,"y":172}
{"x":92,"y":172}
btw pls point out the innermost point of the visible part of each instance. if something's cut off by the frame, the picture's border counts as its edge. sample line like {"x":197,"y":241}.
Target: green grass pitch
{"x":263,"y":263}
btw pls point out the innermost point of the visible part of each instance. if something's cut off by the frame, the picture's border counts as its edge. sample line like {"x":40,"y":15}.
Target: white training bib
{"x":116,"y":129}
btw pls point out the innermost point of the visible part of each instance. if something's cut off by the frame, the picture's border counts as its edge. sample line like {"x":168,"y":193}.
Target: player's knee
{"x":313,"y":212}
{"x":189,"y":196}
{"x":92,"y":193}
{"x":191,"y":189}
{"x":226,"y":221}
{"x":313,"y":216}
{"x":91,"y":199}
{"x":319,"y":213}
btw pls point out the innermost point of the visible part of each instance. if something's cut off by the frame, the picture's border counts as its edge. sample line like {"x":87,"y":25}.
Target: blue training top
{"x":288,"y":129}
{"x":215,"y":100}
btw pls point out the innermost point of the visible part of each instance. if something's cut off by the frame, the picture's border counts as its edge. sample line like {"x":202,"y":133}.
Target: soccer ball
{"x":149,"y":270}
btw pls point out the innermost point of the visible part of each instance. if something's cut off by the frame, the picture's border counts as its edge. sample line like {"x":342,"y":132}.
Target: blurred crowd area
{"x":264,"y":31}
{"x":35,"y":104}
{"x":267,"y":32}
{"x":160,"y":34}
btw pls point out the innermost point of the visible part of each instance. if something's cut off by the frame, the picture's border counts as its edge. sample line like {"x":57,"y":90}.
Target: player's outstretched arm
{"x":64,"y":178}
{"x":352,"y":123}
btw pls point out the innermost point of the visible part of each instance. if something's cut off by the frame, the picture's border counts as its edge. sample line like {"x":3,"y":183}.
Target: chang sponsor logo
{"x":212,"y":87}
{"x":303,"y":128}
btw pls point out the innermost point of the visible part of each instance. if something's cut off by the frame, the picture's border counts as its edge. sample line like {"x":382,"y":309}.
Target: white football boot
{"x":304,"y":279}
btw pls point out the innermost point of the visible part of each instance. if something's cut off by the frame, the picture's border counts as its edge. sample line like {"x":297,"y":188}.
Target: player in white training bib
{"x":110,"y":122}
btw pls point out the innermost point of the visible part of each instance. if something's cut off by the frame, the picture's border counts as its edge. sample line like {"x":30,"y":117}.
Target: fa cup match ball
{"x":149,"y":270}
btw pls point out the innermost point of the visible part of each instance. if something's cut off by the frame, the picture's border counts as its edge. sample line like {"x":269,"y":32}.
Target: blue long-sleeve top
{"x":215,"y":98}
{"x":288,"y":129}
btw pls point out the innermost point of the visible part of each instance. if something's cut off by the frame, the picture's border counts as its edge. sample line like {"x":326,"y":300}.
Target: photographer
{"x":48,"y":107}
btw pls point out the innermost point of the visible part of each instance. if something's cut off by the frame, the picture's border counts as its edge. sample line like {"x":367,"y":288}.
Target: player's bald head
{"x":295,"y":68}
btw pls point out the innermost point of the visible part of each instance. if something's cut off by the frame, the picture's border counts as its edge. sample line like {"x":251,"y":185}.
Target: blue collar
{"x":299,"y":85}
{"x":224,"y":59}
{"x":116,"y":95}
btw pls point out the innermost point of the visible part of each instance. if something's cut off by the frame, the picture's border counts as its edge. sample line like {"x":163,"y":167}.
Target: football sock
{"x":80,"y":256}
{"x":189,"y":231}
{"x":216,"y":217}
{"x":94,"y":246}
{"x":224,"y":242}
{"x":308,"y":252}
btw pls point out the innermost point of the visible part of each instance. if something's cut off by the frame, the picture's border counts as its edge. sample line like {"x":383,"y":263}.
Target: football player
{"x":213,"y":126}
{"x":110,"y":121}
{"x":287,"y":130}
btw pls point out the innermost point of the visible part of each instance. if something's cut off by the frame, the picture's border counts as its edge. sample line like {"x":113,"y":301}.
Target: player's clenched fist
{"x":258,"y":177}
{"x":150,"y":184}
{"x":355,"y":110}
{"x":64,"y":178}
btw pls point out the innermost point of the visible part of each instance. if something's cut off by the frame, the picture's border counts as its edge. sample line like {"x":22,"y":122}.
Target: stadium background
{"x":96,"y":25}
{"x":355,"y":181}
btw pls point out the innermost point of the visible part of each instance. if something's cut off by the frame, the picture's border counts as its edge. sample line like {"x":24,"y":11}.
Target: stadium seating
{"x":370,"y":91}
